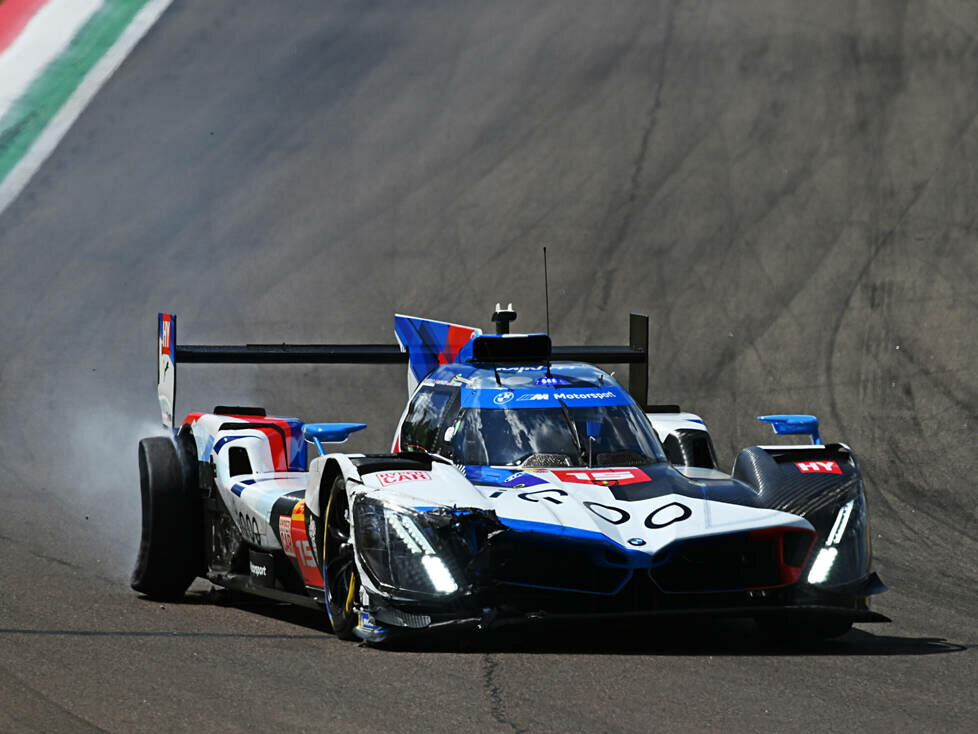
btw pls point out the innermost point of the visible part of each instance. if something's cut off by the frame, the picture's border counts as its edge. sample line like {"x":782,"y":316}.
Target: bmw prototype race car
{"x":520,"y":485}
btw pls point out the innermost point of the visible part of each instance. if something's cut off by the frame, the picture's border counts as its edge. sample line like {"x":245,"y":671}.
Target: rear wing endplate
{"x":635,"y":354}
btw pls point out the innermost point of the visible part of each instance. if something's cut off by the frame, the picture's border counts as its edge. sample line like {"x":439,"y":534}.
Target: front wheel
{"x":339,"y":567}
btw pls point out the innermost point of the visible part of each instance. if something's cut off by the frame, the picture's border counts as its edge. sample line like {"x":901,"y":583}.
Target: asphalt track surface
{"x":787,"y":189}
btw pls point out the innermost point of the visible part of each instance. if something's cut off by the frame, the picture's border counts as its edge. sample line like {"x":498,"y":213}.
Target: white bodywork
{"x":248,"y":497}
{"x":567,"y":502}
{"x":666,"y":423}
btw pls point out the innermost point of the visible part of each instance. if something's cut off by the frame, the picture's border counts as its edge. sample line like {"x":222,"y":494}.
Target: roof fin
{"x":502,"y":316}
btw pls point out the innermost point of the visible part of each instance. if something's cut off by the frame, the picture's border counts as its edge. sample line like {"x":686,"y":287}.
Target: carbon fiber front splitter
{"x":373,"y":628}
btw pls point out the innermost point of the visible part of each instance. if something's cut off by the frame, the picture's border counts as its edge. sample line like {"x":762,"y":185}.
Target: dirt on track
{"x":788,"y":192}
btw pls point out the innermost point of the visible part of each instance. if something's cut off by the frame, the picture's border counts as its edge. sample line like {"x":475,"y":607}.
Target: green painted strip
{"x":28,"y":116}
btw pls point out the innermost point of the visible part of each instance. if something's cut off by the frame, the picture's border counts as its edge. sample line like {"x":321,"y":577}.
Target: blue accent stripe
{"x":225,"y":440}
{"x":239,"y":487}
{"x":546,"y":528}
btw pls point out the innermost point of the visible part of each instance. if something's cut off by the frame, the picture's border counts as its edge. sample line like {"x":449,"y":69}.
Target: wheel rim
{"x":339,"y":569}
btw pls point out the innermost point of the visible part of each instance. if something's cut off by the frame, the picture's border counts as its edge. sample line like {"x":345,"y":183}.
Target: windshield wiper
{"x":573,"y":429}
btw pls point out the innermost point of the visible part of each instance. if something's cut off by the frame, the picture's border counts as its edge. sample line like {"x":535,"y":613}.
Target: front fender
{"x":323,"y":470}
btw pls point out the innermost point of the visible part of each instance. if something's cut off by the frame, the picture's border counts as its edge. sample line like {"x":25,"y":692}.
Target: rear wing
{"x":635,"y":354}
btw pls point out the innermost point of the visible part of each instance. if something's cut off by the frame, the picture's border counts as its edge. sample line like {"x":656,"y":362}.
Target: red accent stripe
{"x":280,"y":448}
{"x":280,"y":459}
{"x":458,"y":337}
{"x":191,"y":417}
{"x":14,"y":15}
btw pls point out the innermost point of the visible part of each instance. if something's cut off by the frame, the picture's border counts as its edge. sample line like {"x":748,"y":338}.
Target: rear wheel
{"x":170,"y":550}
{"x":339,"y":567}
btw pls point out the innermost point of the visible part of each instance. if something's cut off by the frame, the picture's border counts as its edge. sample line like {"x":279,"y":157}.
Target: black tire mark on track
{"x":37,"y":711}
{"x":638,"y":165}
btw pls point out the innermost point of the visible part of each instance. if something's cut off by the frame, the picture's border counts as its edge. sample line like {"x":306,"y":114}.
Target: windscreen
{"x":615,"y":435}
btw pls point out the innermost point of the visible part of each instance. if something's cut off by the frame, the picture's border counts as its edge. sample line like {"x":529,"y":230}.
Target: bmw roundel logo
{"x":503,"y":398}
{"x":636,"y":541}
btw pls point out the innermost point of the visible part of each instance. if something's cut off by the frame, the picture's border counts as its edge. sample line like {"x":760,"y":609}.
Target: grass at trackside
{"x":27,"y":118}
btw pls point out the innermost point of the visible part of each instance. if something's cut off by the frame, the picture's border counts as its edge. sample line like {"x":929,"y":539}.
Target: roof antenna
{"x":546,"y":302}
{"x":546,"y":290}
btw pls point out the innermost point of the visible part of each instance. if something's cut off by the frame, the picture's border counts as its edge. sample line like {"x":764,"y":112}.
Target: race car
{"x":523,"y":484}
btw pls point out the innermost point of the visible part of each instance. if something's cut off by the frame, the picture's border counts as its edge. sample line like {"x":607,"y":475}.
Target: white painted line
{"x":57,"y":128}
{"x":44,"y":37}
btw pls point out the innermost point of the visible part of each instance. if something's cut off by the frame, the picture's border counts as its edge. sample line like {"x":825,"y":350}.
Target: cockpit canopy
{"x":528,"y":416}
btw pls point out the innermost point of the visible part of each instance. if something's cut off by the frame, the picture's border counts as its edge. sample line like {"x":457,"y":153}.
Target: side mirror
{"x":794,"y":424}
{"x":320,"y":433}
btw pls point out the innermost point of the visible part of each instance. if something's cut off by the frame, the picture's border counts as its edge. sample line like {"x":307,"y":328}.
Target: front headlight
{"x":399,"y":550}
{"x":845,"y":554}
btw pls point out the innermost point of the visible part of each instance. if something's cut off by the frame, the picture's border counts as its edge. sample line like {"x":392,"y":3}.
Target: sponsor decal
{"x":308,"y":565}
{"x":285,"y":533}
{"x":165,"y":334}
{"x":166,"y":329}
{"x":565,"y":396}
{"x":603,"y":477}
{"x":636,"y":542}
{"x":522,"y":369}
{"x":386,"y":478}
{"x":503,"y":398}
{"x":260,"y":567}
{"x":818,"y":467}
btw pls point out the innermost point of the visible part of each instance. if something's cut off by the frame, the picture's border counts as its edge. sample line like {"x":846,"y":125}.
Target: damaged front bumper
{"x":462,"y":569}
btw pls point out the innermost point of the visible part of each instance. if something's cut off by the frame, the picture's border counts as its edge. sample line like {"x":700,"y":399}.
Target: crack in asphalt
{"x":491,"y":687}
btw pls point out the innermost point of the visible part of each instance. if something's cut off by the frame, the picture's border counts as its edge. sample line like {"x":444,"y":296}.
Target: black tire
{"x":170,"y":551}
{"x":339,"y":566}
